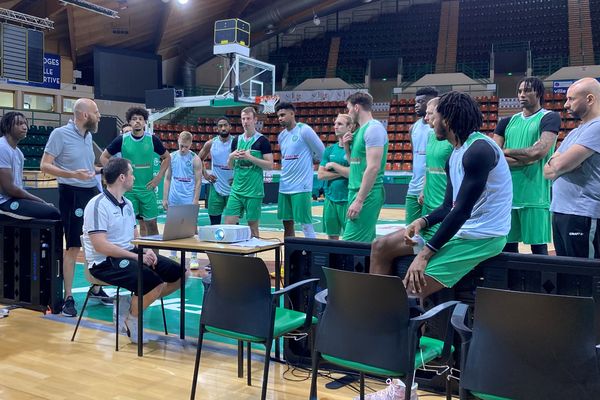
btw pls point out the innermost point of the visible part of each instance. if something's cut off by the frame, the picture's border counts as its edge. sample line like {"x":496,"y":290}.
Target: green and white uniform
{"x":483,"y":234}
{"x":419,"y":135}
{"x":438,"y":153}
{"x":140,"y":152}
{"x":299,"y":147}
{"x":248,"y":189}
{"x":531,"y":220}
{"x":220,"y":190}
{"x":362,"y":228}
{"x":336,"y":193}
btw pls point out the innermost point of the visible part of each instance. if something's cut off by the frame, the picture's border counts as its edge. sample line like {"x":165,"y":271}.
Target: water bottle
{"x":419,"y":244}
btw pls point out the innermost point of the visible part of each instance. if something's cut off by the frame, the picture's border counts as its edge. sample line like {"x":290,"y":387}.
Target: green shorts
{"x":144,"y":203}
{"x":216,"y":202}
{"x":428,"y":233}
{"x":238,"y":205}
{"x":459,"y":256}
{"x":295,"y":207}
{"x":334,"y":217}
{"x":530,"y":226}
{"x":362,"y":228}
{"x":413,"y":208}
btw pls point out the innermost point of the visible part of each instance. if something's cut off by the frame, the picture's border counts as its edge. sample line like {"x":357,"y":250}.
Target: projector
{"x":224,"y":233}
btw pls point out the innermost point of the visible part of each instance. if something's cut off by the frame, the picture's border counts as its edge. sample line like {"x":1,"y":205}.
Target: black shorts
{"x":71,"y":203}
{"x":29,"y":209}
{"x":124,"y":273}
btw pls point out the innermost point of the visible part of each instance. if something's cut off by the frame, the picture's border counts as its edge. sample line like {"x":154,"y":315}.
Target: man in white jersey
{"x":221,"y":175}
{"x":575,"y":170}
{"x":475,"y":214}
{"x":300,"y":149}
{"x":419,"y":135}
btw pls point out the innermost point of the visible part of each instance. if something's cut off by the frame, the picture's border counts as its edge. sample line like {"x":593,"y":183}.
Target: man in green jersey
{"x":252,"y":155}
{"x":334,"y":169}
{"x":388,"y":247}
{"x":528,"y":140}
{"x":139,"y":147}
{"x":367,"y":155}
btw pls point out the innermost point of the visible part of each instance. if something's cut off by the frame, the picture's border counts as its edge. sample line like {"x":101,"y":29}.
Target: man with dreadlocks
{"x":475,"y":215}
{"x":528,"y":139}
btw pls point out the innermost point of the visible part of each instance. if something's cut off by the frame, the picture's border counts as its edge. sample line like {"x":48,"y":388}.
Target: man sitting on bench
{"x":16,"y":202}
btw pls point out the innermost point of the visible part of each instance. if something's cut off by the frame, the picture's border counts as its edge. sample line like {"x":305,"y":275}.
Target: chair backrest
{"x":532,"y":346}
{"x":366,"y":320}
{"x":239,"y":297}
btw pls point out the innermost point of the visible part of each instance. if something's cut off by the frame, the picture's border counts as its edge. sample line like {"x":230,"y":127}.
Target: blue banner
{"x":51,"y":73}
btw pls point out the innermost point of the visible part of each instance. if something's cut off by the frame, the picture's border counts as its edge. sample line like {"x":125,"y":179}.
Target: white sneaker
{"x":394,"y":391}
{"x":132,"y":329}
{"x":124,"y":306}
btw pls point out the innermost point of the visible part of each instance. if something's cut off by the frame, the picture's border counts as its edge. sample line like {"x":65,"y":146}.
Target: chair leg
{"x":362,"y":386}
{"x":87,"y":297}
{"x":117,"y":324}
{"x":162,"y":306}
{"x":249,"y":363}
{"x":315,"y":371}
{"x":266,"y":370}
{"x":197,"y":363}
{"x":240,"y":359}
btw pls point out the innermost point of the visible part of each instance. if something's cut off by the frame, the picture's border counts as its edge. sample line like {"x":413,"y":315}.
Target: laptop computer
{"x":181,"y":223}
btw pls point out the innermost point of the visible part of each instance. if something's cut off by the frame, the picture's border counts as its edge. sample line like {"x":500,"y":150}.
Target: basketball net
{"x":268,"y":103}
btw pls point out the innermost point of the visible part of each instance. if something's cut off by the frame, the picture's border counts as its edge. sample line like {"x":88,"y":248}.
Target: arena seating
{"x":483,"y":24}
{"x":595,"y":15}
{"x":33,"y":145}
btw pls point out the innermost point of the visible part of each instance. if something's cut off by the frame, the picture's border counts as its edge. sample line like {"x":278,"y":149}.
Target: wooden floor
{"x":38,"y":361}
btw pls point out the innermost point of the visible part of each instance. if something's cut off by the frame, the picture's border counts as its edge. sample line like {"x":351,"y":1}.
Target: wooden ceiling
{"x":166,"y":28}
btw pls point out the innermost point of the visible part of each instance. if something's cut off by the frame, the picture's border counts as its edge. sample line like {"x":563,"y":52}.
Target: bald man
{"x":575,"y":170}
{"x":69,"y":156}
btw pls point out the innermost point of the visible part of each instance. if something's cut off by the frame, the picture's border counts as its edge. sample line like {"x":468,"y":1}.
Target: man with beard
{"x":139,"y":148}
{"x":300,"y":148}
{"x":15,"y":201}
{"x":334,"y":170}
{"x":419,"y":135}
{"x":69,"y":156}
{"x":475,"y":215}
{"x":528,"y":139}
{"x":575,"y":170}
{"x":385,"y":249}
{"x":251,"y":157}
{"x":221,"y":176}
{"x":367,"y":164}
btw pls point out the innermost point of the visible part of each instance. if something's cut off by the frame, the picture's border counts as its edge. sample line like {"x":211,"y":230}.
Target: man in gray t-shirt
{"x":69,"y":156}
{"x":15,"y":201}
{"x":575,"y":170}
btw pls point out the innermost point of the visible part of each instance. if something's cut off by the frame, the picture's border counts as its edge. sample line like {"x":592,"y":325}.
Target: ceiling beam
{"x":72,"y":39}
{"x":164,"y":13}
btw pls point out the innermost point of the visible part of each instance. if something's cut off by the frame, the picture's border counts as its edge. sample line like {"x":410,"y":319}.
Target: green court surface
{"x":270,"y":222}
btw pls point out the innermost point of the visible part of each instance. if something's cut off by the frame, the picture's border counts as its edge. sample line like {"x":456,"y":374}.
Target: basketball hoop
{"x":268,"y":103}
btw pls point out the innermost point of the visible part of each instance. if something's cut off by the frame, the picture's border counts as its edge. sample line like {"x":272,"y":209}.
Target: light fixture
{"x":86,"y":5}
{"x":316,"y":19}
{"x":182,"y":1}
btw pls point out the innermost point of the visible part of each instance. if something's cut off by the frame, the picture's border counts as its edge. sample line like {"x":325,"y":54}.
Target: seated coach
{"x":108,"y":229}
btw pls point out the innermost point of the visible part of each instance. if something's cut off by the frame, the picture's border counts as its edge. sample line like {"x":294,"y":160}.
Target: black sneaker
{"x":101,"y":296}
{"x":69,"y":309}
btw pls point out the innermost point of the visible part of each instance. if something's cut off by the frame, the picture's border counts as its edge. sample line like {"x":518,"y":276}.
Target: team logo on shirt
{"x":79,"y":212}
{"x":14,"y":205}
{"x":294,"y":138}
{"x":123,"y":263}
